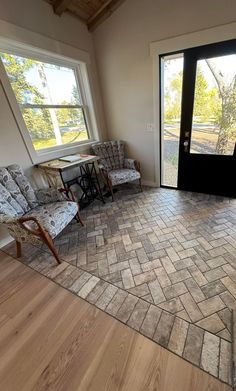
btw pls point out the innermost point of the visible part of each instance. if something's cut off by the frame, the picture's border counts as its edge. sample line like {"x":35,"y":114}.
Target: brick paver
{"x":161,"y":261}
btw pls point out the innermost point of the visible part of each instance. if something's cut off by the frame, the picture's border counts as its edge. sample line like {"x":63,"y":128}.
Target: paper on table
{"x":70,"y":158}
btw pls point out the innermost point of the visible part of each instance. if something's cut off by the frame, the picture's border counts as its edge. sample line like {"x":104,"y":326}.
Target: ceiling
{"x":91,"y":12}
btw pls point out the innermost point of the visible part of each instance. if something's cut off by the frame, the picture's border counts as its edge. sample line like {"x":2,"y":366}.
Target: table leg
{"x":88,"y":182}
{"x":99,"y":191}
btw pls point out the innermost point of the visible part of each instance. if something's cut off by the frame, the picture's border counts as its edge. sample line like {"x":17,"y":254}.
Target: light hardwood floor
{"x":52,"y":340}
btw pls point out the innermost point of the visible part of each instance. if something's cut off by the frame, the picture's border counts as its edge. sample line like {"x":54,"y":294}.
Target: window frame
{"x":84,"y":88}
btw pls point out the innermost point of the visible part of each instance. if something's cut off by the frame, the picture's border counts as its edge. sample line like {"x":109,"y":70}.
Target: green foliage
{"x":215,"y":105}
{"x":70,"y":116}
{"x":39,"y":121}
{"x":206,"y":101}
{"x":226,"y":114}
{"x":16,"y":67}
{"x":173,"y":99}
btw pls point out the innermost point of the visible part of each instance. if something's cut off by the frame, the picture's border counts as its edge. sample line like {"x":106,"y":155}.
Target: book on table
{"x":70,"y":158}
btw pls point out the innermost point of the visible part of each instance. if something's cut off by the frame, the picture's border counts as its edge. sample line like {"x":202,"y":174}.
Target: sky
{"x":60,"y":82}
{"x":226,"y":64}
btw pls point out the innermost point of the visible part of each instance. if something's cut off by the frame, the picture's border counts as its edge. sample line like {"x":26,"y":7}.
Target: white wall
{"x":37,"y":16}
{"x":125,"y":65}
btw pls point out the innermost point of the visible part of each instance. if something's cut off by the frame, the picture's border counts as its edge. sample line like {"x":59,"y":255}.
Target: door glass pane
{"x":171,"y":94}
{"x":214,"y":115}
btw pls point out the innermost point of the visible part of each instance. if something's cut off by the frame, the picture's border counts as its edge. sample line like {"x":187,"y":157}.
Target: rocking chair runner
{"x":34,"y":216}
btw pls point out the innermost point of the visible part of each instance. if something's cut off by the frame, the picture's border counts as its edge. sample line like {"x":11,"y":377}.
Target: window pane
{"x":170,"y":132}
{"x":52,"y":127}
{"x":214,"y":115}
{"x":38,"y":82}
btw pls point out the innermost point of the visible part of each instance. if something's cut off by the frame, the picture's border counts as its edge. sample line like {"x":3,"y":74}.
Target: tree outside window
{"x":50,"y":101}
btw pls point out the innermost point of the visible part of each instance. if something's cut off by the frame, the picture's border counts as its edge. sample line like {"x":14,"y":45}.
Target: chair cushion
{"x":123,"y":175}
{"x":54,"y":217}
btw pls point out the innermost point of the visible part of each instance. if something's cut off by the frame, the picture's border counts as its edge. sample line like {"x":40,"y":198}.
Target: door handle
{"x":185,"y":144}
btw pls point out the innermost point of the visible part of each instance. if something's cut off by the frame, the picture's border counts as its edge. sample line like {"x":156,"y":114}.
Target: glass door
{"x":207,"y":155}
{"x":198,"y":119}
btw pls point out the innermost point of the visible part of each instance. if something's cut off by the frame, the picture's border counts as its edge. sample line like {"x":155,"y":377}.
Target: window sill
{"x":58,"y":153}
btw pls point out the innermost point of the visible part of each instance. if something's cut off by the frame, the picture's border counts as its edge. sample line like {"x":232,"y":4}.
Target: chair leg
{"x":18,"y":249}
{"x":110,"y":188}
{"x":49,"y":242}
{"x":140,"y":184}
{"x":78,"y":218}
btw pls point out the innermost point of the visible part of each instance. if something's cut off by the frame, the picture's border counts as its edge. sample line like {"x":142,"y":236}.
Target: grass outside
{"x":67,"y":138}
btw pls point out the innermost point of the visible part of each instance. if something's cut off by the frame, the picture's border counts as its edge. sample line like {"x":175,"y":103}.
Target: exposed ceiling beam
{"x":78,"y":8}
{"x":103,"y":13}
{"x":61,"y":6}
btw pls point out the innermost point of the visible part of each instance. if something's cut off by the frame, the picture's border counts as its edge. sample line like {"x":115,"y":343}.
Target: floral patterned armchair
{"x":30,"y":215}
{"x":114,"y":167}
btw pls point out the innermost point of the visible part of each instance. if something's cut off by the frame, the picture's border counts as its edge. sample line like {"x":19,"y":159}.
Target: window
{"x":51,"y":101}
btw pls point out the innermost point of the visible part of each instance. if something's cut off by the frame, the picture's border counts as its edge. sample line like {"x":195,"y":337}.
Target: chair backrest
{"x":111,"y":154}
{"x":16,"y":193}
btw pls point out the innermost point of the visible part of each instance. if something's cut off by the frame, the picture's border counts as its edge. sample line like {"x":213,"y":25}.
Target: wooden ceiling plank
{"x":79,"y":12}
{"x":103,"y":13}
{"x":84,"y":7}
{"x":92,"y":12}
{"x":103,"y":7}
{"x":61,"y":6}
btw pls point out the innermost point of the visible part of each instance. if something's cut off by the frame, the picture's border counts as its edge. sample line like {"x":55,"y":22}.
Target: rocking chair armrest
{"x":103,"y":169}
{"x":23,"y":222}
{"x":132,"y":164}
{"x":43,"y":234}
{"x":137,"y":166}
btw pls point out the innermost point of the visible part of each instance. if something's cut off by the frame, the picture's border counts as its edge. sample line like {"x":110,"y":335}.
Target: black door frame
{"x":191,"y":56}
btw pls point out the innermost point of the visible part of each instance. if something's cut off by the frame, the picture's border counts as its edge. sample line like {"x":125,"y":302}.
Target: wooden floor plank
{"x":52,"y":340}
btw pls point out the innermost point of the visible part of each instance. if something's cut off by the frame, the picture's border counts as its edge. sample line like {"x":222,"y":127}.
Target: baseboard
{"x":150,"y":183}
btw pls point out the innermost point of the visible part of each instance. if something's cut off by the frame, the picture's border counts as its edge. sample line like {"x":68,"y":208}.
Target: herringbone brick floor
{"x":162,"y":261}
